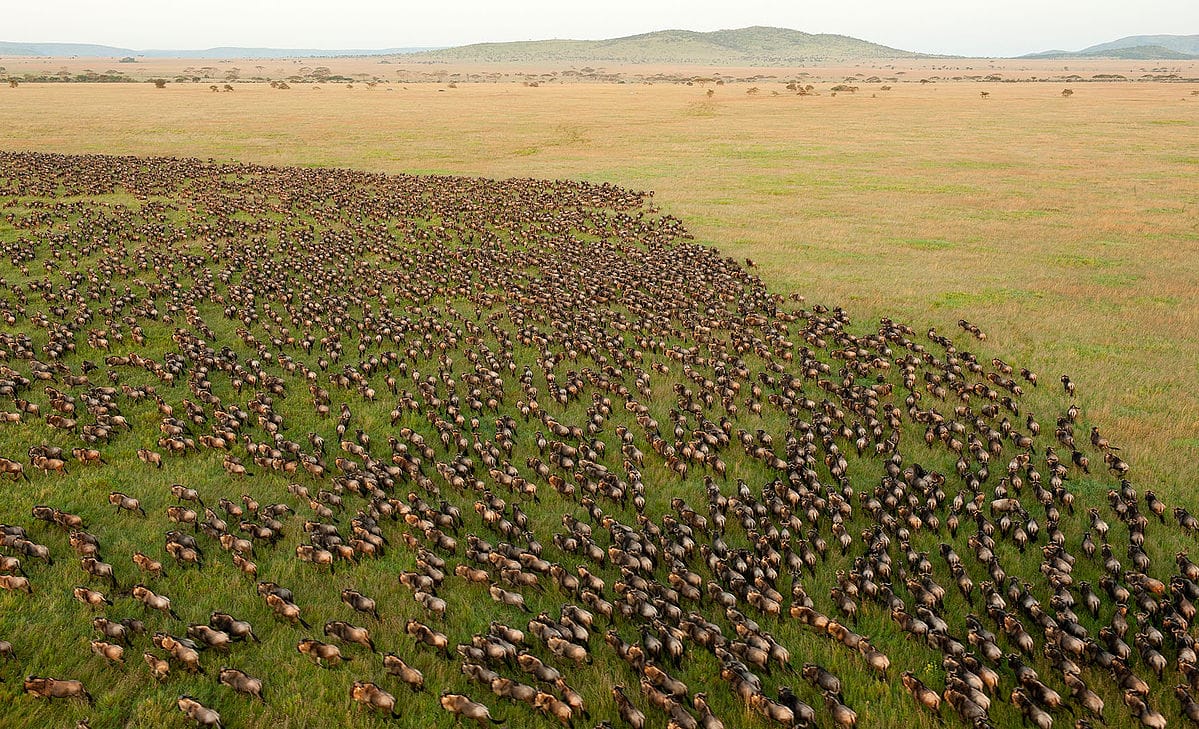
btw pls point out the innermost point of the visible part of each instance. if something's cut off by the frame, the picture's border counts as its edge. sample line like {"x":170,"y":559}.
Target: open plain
{"x":1064,"y":227}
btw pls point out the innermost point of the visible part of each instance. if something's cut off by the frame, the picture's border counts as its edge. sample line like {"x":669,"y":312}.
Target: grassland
{"x":1062,"y":227}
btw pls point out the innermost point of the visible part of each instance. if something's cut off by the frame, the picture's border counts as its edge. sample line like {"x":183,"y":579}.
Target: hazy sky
{"x":965,"y":27}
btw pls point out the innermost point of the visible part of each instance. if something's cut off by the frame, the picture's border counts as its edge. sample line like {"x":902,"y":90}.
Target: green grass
{"x":51,"y":631}
{"x":1078,"y":173}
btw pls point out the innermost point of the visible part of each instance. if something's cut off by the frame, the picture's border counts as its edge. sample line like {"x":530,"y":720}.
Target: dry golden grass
{"x":1064,"y":227}
{"x":408,"y":68}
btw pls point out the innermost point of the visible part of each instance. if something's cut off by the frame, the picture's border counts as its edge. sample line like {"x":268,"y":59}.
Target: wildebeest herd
{"x":520,"y":451}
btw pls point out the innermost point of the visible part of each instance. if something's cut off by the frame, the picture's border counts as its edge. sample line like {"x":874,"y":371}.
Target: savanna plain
{"x":1064,"y":227}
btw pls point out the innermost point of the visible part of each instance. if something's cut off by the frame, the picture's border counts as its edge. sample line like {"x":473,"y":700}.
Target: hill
{"x":1184,"y":44}
{"x":755,"y":46}
{"x":57,"y":50}
{"x":1135,"y":47}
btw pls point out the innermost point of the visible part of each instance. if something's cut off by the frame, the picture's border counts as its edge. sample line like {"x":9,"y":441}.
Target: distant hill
{"x":1185,"y":44}
{"x":1135,"y":47}
{"x":66,"y":50}
{"x":756,"y":46}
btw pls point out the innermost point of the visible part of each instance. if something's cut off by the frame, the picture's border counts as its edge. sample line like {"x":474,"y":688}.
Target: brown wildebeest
{"x":57,"y":465}
{"x":149,"y":457}
{"x":239,"y":629}
{"x":33,"y":549}
{"x":87,"y":456}
{"x":56,"y":688}
{"x":108,"y":651}
{"x":241,"y":682}
{"x":772,"y":710}
{"x":633,"y":716}
{"x":16,"y":583}
{"x":431,"y":603}
{"x":11,"y":565}
{"x":91,"y":598}
{"x":147,"y":565}
{"x":153,"y":601}
{"x":370,"y":694}
{"x":360,"y":602}
{"x":350,"y":634}
{"x":551,"y":705}
{"x":179,"y":650}
{"x":289,"y":611}
{"x":506,"y":688}
{"x":572,"y":698}
{"x":923,"y":694}
{"x":160,"y":667}
{"x":84,"y":544}
{"x":96,"y":568}
{"x":238,"y":545}
{"x":128,"y":503}
{"x":182,"y":493}
{"x":462,"y":707}
{"x":183,"y":515}
{"x":13,"y":468}
{"x":246,"y":566}
{"x":210,"y":637}
{"x":199,"y":713}
{"x":406,"y":673}
{"x":427,"y":636}
{"x":111,"y":629}
{"x":184,"y":554}
{"x":320,"y":653}
{"x":507,"y":597}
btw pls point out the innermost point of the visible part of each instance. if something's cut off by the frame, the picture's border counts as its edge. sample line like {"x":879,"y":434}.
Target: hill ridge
{"x":753,"y":45}
{"x":1134,"y":47}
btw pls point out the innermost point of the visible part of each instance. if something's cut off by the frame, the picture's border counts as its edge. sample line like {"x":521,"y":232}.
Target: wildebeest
{"x":241,"y":682}
{"x":153,"y":601}
{"x":91,"y":598}
{"x":210,"y":637}
{"x":180,"y":650}
{"x":56,"y":688}
{"x":199,"y":713}
{"x":350,"y":634}
{"x":360,"y":602}
{"x":16,"y":583}
{"x":321,"y":653}
{"x":238,"y":629}
{"x":111,"y":629}
{"x":159,"y":667}
{"x":462,"y":707}
{"x":370,"y":694}
{"x":397,"y":667}
{"x":109,"y":651}
{"x":427,"y":636}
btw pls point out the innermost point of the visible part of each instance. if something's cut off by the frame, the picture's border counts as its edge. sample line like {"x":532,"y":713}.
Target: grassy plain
{"x":1064,"y":227}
